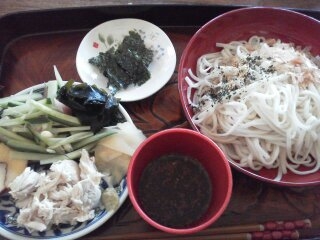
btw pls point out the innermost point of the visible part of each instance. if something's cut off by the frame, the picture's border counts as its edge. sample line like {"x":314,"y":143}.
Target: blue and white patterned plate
{"x":8,"y":211}
{"x":9,"y":229}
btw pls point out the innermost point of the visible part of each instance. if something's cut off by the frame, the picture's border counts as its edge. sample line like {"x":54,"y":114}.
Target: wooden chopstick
{"x":275,"y":229}
{"x":155,"y":236}
{"x":236,"y":236}
{"x":288,"y":234}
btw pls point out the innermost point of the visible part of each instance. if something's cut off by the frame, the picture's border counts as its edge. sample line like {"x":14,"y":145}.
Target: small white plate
{"x":113,"y":32}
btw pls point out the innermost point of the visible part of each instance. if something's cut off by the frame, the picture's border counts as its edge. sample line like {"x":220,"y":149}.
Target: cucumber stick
{"x":35,"y":130}
{"x":72,"y":138}
{"x":92,"y":139}
{"x":26,"y":147}
{"x":19,"y":98}
{"x":51,"y":90}
{"x":13,"y":136}
{"x":56,"y":115}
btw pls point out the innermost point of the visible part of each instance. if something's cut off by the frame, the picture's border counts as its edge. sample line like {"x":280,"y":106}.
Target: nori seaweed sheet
{"x":128,"y":64}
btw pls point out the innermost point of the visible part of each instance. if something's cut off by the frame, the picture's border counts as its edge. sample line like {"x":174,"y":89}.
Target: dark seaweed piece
{"x":136,"y":45}
{"x":103,"y":59}
{"x":92,"y":105}
{"x":133,"y":66}
{"x":126,"y":65}
{"x":107,"y":65}
{"x":133,"y":56}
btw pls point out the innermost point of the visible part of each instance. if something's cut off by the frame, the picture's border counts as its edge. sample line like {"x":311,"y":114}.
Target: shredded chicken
{"x":67,"y":193}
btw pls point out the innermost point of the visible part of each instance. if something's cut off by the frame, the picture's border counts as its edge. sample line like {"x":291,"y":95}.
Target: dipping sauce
{"x":175,"y":190}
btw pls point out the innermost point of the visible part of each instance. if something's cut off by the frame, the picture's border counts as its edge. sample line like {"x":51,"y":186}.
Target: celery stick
{"x":58,"y":116}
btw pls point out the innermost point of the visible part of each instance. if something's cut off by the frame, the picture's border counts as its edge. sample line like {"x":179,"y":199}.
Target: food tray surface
{"x":32,"y":42}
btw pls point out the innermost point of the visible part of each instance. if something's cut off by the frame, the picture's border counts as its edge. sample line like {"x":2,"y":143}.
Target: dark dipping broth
{"x":175,"y":190}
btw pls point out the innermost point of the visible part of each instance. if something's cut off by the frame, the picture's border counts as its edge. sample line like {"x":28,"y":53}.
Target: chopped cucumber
{"x":56,"y":115}
{"x":19,"y":98}
{"x":51,"y":90}
{"x":13,"y":136}
{"x":20,"y":110}
{"x":73,"y":138}
{"x":34,"y":130}
{"x":70,"y":129}
{"x":6,"y":122}
{"x":58,"y":77}
{"x":92,"y":139}
{"x":72,"y":155}
{"x":25,"y":146}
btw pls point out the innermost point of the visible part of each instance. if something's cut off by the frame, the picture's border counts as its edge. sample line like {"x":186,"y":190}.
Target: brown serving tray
{"x":32,"y":42}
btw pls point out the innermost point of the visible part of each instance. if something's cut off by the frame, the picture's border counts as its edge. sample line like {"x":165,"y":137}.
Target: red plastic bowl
{"x":193,"y":144}
{"x":240,"y":24}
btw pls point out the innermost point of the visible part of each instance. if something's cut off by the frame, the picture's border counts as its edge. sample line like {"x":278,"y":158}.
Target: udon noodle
{"x":259,"y":100}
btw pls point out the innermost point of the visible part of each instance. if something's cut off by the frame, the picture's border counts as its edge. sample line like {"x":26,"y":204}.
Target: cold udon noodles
{"x":259,"y":100}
